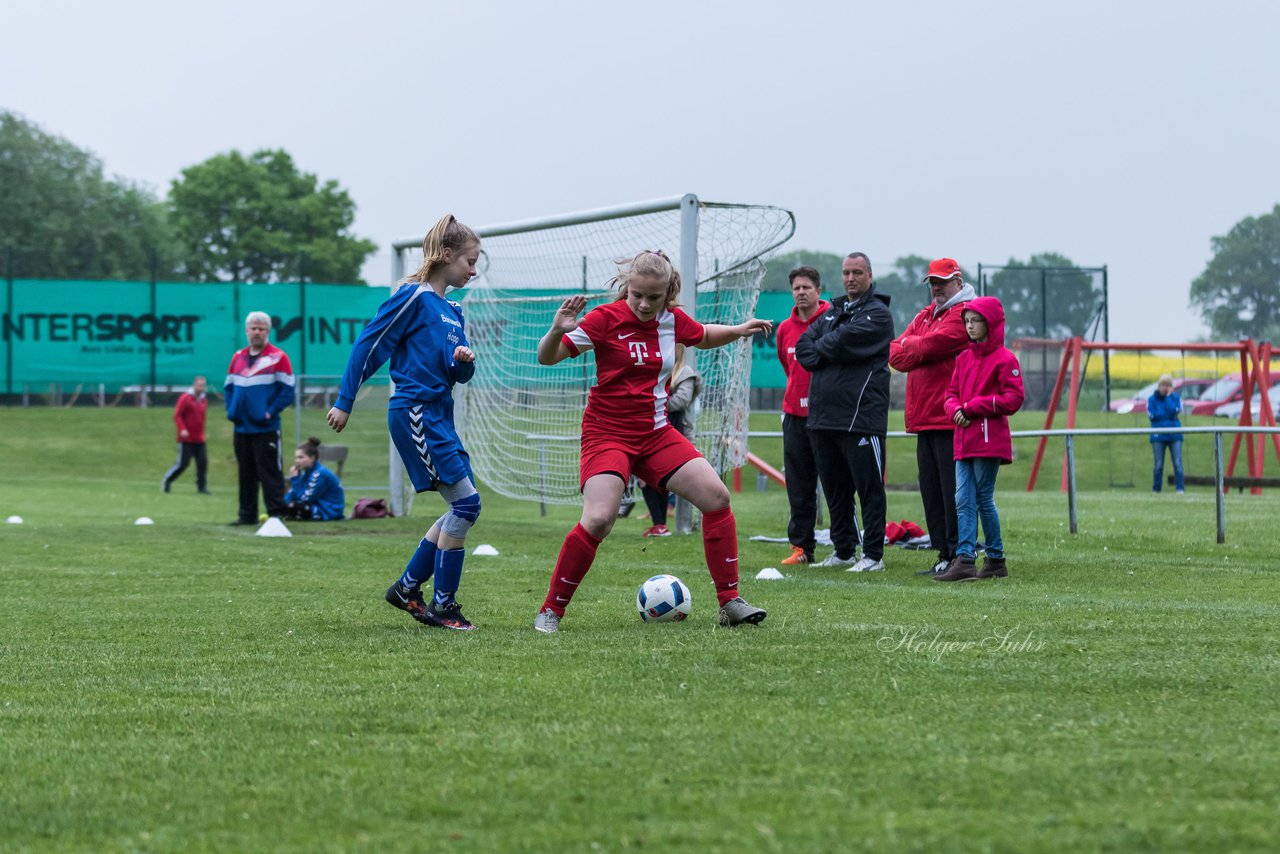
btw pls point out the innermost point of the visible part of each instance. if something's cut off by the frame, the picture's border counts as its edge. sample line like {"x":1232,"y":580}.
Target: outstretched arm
{"x":717,"y":335}
{"x":551,"y":348}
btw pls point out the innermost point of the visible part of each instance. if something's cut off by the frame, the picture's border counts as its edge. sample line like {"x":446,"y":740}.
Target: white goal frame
{"x":689,"y":208}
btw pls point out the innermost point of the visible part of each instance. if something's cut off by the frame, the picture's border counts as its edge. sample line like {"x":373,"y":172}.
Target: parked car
{"x":1232,"y":410}
{"x":1226,"y":390}
{"x":1188,"y":388}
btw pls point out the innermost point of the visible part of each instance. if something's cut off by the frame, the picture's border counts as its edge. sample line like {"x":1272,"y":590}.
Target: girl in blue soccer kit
{"x":315,"y":493}
{"x":424,"y":336}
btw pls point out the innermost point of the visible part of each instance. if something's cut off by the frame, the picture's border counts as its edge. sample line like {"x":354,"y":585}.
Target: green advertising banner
{"x":135,"y":333}
{"x":119,"y":334}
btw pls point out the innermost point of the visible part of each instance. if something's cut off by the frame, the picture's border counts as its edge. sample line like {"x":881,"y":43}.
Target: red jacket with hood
{"x":795,"y":400}
{"x":926,"y":353}
{"x":987,"y":385}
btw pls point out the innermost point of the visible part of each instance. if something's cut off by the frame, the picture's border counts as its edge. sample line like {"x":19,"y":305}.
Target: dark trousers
{"x":259,"y":457}
{"x":935,"y":458}
{"x":801,"y":470}
{"x":850,"y":463}
{"x":656,"y":502}
{"x":186,"y":452}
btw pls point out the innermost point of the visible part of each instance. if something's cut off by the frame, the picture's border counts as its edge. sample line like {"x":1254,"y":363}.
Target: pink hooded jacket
{"x":987,"y":385}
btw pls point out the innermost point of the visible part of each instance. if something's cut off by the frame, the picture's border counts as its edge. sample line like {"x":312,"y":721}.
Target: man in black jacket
{"x":847,"y":351}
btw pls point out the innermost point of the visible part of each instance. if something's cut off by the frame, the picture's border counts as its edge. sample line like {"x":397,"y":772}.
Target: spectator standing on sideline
{"x":798,"y":462}
{"x":926,"y":352}
{"x":259,"y":387}
{"x":985,"y":389}
{"x":846,"y":349}
{"x":188,"y":415}
{"x":1163,"y":409}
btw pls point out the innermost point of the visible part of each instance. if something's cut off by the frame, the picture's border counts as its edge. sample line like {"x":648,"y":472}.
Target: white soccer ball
{"x":663,"y":599}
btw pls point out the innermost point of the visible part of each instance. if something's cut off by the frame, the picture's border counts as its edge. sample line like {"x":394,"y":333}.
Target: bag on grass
{"x":370,"y":508}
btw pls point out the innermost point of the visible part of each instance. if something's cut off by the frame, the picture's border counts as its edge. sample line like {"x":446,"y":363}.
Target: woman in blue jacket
{"x":314,"y":492}
{"x":1163,"y":408}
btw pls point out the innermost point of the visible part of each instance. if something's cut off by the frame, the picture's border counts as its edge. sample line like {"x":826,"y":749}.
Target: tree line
{"x":1045,"y":296}
{"x":258,"y":217}
{"x":233,"y":217}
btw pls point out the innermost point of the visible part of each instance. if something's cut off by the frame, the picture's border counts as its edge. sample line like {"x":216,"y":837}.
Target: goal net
{"x":521,"y":420}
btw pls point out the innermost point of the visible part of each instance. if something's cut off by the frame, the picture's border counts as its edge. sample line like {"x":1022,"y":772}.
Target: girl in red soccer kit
{"x":625,"y":429}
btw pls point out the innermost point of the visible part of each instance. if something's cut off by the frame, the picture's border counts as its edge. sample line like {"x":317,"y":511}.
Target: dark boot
{"x":993,"y":567}
{"x":962,"y":568}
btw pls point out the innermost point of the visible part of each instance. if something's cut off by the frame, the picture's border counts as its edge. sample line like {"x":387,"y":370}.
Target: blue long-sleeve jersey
{"x":320,"y":490}
{"x":418,"y":330}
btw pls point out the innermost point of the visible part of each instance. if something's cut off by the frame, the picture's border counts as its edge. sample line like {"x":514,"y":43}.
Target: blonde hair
{"x":1164,"y":378}
{"x":651,"y":264}
{"x":678,"y":365}
{"x":447,"y":234}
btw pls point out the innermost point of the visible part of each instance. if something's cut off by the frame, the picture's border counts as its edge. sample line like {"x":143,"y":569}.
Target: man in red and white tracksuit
{"x":926,"y":352}
{"x":259,"y":387}
{"x":799,"y":463}
{"x":189,"y":415}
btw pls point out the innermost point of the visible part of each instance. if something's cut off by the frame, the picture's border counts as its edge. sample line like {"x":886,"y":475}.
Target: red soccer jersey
{"x":795,"y":400}
{"x":633,"y":363}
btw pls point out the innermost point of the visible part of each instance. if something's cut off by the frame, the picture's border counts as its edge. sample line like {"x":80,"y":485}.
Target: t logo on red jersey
{"x":638,"y":351}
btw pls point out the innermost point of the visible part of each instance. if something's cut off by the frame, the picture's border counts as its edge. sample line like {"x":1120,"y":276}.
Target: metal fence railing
{"x":1070,"y":434}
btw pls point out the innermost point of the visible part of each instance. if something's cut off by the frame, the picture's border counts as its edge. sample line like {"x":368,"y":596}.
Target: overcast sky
{"x":1118,"y":133}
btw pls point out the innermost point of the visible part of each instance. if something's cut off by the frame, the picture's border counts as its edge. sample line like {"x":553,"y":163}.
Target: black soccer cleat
{"x":402,"y":597}
{"x":448,"y":616}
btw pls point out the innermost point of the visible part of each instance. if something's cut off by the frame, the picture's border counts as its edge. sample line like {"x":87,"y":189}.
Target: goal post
{"x":520,"y":420}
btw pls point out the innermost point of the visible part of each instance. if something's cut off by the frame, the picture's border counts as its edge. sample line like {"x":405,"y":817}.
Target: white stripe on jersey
{"x":241,"y":381}
{"x":580,"y":340}
{"x":667,"y":346}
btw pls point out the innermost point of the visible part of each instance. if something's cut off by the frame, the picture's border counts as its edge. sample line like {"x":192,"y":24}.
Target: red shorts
{"x":652,"y":457}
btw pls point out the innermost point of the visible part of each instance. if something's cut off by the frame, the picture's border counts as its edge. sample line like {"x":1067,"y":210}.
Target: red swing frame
{"x":1255,"y":371}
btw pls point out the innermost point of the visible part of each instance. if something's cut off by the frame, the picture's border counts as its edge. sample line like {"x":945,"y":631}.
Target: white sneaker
{"x":547,"y":622}
{"x":867,"y":565}
{"x":833,"y":560}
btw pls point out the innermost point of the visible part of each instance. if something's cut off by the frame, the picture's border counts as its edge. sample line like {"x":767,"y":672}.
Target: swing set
{"x":1255,"y":373}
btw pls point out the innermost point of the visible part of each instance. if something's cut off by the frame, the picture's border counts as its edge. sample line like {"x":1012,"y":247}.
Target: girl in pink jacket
{"x":985,"y":389}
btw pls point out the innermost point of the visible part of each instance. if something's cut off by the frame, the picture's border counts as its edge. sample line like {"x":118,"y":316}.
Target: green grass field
{"x":191,"y":687}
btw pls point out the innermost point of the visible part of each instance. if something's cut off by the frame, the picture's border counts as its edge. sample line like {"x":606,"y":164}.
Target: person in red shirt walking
{"x":926,"y":352}
{"x":985,"y":389}
{"x":625,"y":429}
{"x":188,"y":415}
{"x":799,"y":463}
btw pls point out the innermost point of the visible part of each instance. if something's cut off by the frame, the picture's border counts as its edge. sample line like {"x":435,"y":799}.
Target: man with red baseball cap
{"x":926,"y":352}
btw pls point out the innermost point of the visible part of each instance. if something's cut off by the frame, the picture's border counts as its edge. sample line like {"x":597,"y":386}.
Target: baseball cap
{"x":942,"y":268}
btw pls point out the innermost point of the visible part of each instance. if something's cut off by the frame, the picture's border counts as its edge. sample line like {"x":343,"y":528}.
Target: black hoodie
{"x":847,"y":351}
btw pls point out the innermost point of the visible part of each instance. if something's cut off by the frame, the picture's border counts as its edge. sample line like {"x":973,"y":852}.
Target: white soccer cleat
{"x":867,"y":565}
{"x":833,"y":560}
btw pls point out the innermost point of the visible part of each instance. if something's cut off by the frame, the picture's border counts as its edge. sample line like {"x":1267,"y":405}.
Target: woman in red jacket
{"x":985,"y":389}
